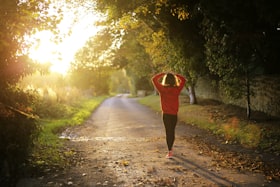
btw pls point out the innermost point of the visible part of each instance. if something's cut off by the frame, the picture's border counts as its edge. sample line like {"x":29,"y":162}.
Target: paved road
{"x":123,"y":144}
{"x":124,"y":118}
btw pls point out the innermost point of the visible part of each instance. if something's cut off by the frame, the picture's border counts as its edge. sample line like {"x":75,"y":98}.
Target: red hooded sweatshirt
{"x":169,"y":95}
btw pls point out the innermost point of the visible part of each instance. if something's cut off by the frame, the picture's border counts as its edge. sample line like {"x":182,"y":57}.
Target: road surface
{"x":123,"y":144}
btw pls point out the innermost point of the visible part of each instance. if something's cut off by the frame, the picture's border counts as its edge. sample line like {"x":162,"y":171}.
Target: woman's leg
{"x":170,"y":122}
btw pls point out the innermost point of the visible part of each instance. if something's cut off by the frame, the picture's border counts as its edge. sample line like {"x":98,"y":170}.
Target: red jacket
{"x":169,"y":96}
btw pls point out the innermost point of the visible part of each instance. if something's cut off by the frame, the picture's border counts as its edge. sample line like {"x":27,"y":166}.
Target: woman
{"x":169,"y":91}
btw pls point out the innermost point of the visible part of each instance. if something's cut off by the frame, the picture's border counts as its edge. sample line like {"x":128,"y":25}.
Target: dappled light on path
{"x":104,"y":138}
{"x":124,"y":142}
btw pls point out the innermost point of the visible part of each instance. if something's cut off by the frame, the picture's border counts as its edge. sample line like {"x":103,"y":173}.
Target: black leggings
{"x":169,"y":122}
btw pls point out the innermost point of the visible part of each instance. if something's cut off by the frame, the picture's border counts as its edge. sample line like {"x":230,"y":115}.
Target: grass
{"x":49,"y":147}
{"x":152,"y":101}
{"x":226,"y":121}
{"x":191,"y":114}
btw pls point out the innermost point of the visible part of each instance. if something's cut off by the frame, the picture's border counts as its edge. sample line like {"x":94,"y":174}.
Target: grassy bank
{"x":49,"y":150}
{"x":228,"y":122}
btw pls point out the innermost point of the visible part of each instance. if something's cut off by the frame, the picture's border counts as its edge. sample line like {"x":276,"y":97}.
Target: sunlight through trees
{"x":53,"y":51}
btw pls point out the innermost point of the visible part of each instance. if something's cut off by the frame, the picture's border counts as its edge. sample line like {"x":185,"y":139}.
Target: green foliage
{"x":138,"y":63}
{"x":196,"y":38}
{"x":236,"y":44}
{"x":271,"y":137}
{"x":18,"y":129}
{"x":119,"y":82}
{"x":96,"y":53}
{"x":50,"y":94}
{"x":246,"y":35}
{"x":132,"y":57}
{"x":81,"y":110}
{"x":49,"y":148}
{"x":252,"y":135}
{"x":157,"y":36}
{"x":17,"y":135}
{"x":94,"y":80}
{"x":92,"y":66}
{"x":18,"y":19}
{"x":151,"y":101}
{"x":52,"y":110}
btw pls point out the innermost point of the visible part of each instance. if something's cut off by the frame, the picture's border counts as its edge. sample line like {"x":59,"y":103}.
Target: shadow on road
{"x":202,"y":172}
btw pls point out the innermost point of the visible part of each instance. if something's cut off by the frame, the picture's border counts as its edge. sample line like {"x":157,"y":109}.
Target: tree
{"x":233,"y":41}
{"x":18,"y":19}
{"x":92,"y":66}
{"x":237,"y":45}
{"x":165,"y":30}
{"x":119,"y":82}
{"x":184,"y":34}
{"x":17,"y":126}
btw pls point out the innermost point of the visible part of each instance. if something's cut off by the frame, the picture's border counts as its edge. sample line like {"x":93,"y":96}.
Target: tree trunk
{"x":192,"y":95}
{"x":248,"y":99}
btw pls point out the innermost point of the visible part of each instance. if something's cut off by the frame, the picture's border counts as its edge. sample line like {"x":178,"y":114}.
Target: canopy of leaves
{"x":169,"y":35}
{"x":240,"y":40}
{"x":18,"y":19}
{"x":92,"y":66}
{"x":228,"y":39}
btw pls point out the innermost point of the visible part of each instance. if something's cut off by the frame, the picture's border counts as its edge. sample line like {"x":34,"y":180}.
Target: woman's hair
{"x":169,"y":80}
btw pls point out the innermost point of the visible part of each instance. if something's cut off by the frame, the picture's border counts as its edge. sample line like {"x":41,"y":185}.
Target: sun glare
{"x":60,"y":55}
{"x":43,"y":49}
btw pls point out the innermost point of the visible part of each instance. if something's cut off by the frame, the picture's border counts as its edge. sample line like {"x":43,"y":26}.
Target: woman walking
{"x":169,"y":90}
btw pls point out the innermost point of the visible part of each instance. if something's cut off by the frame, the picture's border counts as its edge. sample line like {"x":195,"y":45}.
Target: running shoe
{"x":169,"y":155}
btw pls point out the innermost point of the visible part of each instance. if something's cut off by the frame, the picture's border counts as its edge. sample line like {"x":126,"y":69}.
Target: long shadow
{"x":220,"y":181}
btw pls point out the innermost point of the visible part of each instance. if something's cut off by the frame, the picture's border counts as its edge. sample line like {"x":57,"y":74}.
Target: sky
{"x":60,"y":55}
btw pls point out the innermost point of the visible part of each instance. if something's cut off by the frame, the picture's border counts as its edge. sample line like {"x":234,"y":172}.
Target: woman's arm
{"x":182,"y":80}
{"x":155,"y":80}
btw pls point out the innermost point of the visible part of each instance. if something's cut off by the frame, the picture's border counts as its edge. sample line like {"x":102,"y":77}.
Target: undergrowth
{"x":49,"y":150}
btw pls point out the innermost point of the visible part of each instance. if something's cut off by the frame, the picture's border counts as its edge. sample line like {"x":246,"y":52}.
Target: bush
{"x":17,"y":134}
{"x":18,"y":130}
{"x":52,"y":110}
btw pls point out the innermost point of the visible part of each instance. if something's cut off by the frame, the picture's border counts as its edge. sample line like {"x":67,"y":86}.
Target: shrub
{"x":17,"y":134}
{"x":18,"y":130}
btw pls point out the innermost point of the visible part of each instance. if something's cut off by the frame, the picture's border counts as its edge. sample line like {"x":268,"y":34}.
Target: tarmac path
{"x":123,"y":144}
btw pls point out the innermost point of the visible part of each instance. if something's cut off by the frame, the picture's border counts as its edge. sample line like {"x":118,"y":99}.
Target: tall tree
{"x":169,"y":37}
{"x":184,"y":34}
{"x":17,"y":20}
{"x":91,"y":67}
{"x":137,"y":62}
{"x":237,"y":45}
{"x":238,"y":39}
